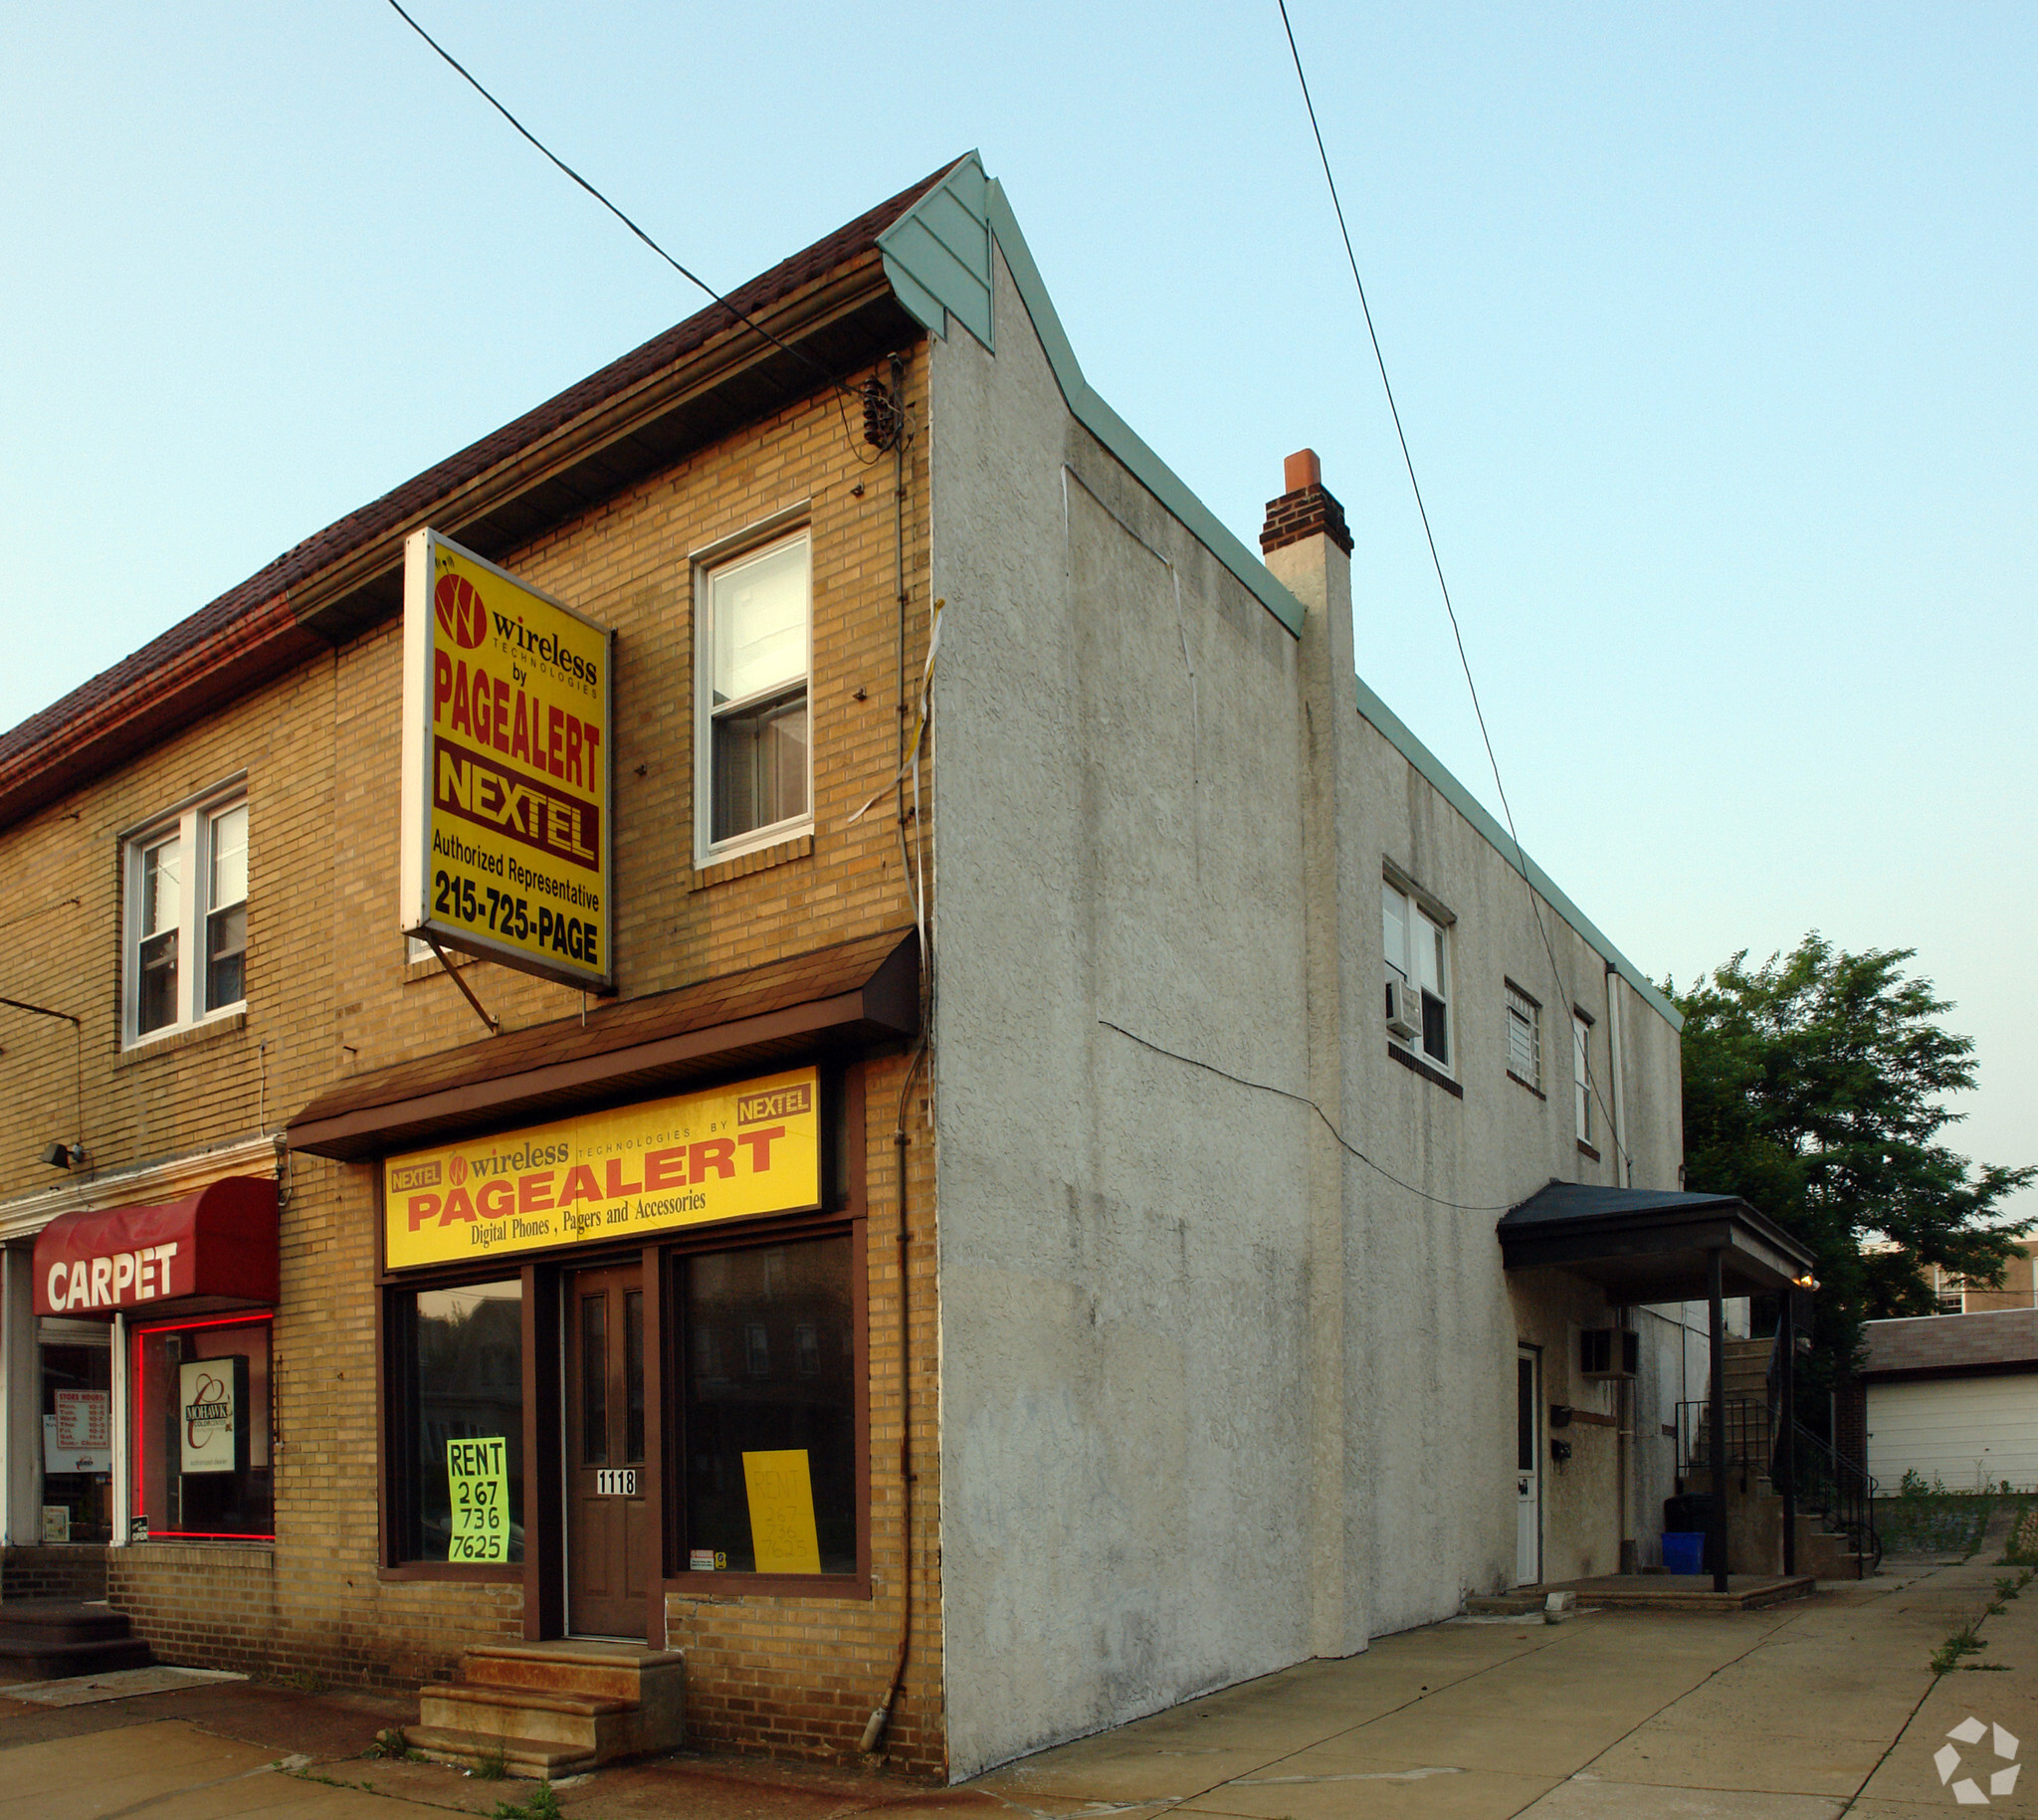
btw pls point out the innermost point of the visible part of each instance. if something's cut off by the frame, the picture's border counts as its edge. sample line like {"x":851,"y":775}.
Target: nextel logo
{"x":779,"y":1103}
{"x":413,"y":1175}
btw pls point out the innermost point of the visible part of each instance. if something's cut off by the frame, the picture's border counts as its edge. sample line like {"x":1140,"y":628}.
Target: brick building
{"x":1077,"y":1373}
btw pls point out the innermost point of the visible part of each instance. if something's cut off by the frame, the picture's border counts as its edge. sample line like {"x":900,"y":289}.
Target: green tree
{"x":1814,"y":1088}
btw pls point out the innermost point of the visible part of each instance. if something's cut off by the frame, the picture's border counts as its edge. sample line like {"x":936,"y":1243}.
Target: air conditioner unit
{"x":1404,"y":1007}
{"x":1609,"y":1352}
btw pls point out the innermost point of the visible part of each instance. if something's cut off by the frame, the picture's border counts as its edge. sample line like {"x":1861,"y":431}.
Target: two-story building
{"x":1013,"y":1243}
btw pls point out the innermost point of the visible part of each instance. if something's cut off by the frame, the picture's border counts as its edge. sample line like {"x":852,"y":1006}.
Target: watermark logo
{"x":1968,"y":1792}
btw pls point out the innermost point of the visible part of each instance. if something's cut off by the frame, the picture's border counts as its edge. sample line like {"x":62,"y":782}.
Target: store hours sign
{"x":506,"y":768}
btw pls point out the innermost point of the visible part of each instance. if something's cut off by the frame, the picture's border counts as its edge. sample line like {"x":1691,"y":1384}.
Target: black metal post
{"x":1716,"y":1523}
{"x":1786,"y":1451}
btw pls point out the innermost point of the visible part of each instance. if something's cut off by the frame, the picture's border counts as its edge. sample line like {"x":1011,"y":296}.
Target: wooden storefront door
{"x":608,"y":1536}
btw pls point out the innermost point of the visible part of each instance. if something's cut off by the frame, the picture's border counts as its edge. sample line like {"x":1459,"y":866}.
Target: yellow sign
{"x":733,"y":1151}
{"x":781,"y":1494}
{"x":506,"y":767}
{"x":478,"y":1476}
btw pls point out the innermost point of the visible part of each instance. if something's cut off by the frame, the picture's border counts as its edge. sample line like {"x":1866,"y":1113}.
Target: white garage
{"x":1969,"y":1433}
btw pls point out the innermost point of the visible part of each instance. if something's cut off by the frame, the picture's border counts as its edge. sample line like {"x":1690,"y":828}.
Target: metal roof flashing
{"x":938,"y":255}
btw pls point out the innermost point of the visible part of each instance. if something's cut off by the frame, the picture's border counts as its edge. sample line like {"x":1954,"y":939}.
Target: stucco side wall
{"x":1431,"y":1382}
{"x":1125,"y":1415}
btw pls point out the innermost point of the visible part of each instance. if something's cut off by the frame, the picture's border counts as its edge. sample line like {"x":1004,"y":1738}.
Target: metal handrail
{"x":1838,"y":1489}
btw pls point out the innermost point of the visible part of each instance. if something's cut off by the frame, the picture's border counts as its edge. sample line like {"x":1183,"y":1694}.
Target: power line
{"x":1260,"y":1087}
{"x":691,"y":276}
{"x":1436,"y":562}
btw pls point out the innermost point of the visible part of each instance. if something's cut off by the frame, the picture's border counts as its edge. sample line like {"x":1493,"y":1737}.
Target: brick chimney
{"x":1305,"y":510}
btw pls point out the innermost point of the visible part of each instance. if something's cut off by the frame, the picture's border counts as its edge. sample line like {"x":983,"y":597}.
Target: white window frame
{"x":759,"y":539}
{"x":190,"y":823}
{"x":1581,"y":1076}
{"x":1524,"y":1010}
{"x":1422,"y":915}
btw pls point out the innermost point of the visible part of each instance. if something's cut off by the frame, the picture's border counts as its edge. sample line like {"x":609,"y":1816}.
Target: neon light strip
{"x":142,"y":1427}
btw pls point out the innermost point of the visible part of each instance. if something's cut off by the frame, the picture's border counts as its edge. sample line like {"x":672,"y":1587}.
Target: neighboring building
{"x":1178,"y":1033}
{"x":1954,"y":1294}
{"x":1953,"y":1399}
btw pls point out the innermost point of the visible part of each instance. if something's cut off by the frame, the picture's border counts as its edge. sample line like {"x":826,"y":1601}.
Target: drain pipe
{"x":873,"y":1728}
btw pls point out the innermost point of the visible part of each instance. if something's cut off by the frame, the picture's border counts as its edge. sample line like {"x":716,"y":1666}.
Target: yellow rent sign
{"x":725,"y":1154}
{"x":506,"y":767}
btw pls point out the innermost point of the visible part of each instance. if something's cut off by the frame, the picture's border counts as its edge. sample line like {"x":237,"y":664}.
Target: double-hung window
{"x":186,"y":954}
{"x":1581,"y":1074}
{"x":1524,"y":1038}
{"x":1418,"y":949}
{"x":754,"y":649}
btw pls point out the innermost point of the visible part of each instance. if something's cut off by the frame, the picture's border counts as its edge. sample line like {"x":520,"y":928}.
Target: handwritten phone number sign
{"x":478,"y":1477}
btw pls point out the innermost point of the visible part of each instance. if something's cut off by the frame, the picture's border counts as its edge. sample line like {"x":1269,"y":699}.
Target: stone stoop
{"x":54,"y":1638}
{"x":553,"y":1708}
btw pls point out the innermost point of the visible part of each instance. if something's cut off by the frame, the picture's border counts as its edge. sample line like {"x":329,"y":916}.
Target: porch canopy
{"x":1644,"y":1244}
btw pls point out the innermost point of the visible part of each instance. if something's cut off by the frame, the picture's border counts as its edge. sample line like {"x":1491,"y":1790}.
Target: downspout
{"x":1623,"y":1163}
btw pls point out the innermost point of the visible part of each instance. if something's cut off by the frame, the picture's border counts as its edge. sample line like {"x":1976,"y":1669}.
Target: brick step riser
{"x":538,"y":1724}
{"x":49,"y":1636}
{"x":588,"y":1680}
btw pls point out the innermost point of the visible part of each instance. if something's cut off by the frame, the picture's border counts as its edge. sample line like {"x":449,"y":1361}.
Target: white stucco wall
{"x":1217,"y":1395}
{"x":1125,"y":1414}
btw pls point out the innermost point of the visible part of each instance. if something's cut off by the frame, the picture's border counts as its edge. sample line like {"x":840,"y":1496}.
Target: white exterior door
{"x":1527,"y":1467}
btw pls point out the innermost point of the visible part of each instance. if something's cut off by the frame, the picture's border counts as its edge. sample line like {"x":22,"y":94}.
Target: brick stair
{"x":552,"y":1709}
{"x":54,"y":1638}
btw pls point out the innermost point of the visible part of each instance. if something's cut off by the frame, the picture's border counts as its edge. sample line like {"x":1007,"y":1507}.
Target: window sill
{"x":500,"y":1574}
{"x":1586,"y":1150}
{"x":741,"y":864}
{"x":774,"y":1586}
{"x":162,"y":1043}
{"x":1417,"y":1066}
{"x":1530,"y":1085}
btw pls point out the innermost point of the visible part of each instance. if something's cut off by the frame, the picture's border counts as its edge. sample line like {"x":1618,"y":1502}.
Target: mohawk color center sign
{"x":506,"y":768}
{"x":724,"y":1154}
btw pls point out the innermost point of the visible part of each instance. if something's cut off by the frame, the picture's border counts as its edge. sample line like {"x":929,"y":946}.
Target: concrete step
{"x":54,"y":1638}
{"x":547,"y":1708}
{"x":525,"y":1715}
{"x":597,"y":1670}
{"x":519,"y":1758}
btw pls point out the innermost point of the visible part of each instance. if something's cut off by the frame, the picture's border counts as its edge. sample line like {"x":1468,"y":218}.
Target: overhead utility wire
{"x":1436,"y":562}
{"x":1260,"y":1087}
{"x":691,"y":276}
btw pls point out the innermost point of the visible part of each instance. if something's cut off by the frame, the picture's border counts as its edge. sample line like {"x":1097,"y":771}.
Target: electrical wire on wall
{"x":1436,"y":562}
{"x":841,"y":391}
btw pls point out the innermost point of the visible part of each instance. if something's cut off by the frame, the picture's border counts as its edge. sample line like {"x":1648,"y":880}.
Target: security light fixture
{"x":64,"y":1155}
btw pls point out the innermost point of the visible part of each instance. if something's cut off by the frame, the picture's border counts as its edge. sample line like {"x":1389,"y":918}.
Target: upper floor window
{"x":1581,"y":1074}
{"x":1417,"y":948}
{"x":187,"y":913}
{"x":753,"y":644}
{"x":1524,"y":1038}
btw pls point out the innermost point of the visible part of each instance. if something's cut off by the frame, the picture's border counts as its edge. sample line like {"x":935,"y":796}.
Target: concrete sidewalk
{"x":1800,"y":1711}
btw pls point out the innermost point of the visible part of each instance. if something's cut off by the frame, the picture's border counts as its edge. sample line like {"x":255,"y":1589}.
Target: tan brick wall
{"x":329,"y":994}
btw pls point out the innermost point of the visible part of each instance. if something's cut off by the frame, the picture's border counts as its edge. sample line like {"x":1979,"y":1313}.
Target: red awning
{"x":219,"y":1242}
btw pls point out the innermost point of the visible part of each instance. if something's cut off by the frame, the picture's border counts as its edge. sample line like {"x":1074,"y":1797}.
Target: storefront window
{"x":201,"y":1430}
{"x":77,"y":1409}
{"x":770,"y":1409}
{"x":459,"y":1405}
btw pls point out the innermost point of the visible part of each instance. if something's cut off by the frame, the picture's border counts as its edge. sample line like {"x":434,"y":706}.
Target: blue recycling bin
{"x":1683,"y":1551}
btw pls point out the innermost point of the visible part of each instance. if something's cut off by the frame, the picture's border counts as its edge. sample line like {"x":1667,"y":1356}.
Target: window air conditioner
{"x":1404,"y":1007}
{"x":1609,"y":1352}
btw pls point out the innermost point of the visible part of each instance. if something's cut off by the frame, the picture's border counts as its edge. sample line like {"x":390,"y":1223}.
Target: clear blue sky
{"x":1714,"y":332}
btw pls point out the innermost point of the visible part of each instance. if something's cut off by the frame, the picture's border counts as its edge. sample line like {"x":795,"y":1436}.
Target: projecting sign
{"x":506,"y":768}
{"x":722,"y":1154}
